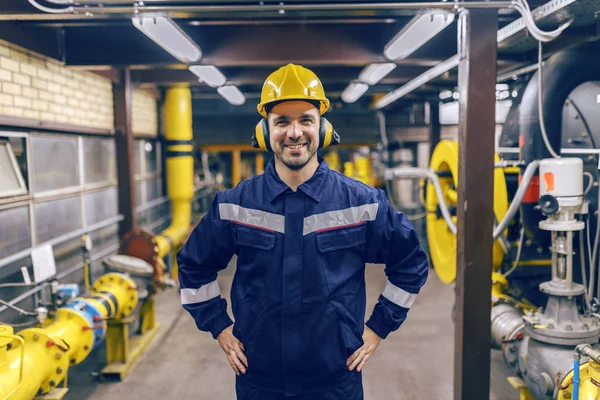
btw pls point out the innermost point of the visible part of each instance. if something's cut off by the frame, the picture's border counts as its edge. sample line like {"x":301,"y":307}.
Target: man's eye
{"x":281,"y":123}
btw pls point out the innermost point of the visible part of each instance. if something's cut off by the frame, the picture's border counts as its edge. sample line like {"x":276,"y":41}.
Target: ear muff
{"x":261,"y":140}
{"x":327,"y":135}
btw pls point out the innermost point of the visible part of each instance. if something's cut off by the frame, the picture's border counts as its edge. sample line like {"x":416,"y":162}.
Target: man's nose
{"x":295,"y":130}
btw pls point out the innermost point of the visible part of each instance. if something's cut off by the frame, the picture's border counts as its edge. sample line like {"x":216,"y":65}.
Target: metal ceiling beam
{"x":263,"y":11}
{"x":47,"y":41}
{"x":238,"y":46}
{"x":553,"y":12}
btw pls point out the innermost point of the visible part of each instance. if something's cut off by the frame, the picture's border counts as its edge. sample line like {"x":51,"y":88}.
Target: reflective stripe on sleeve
{"x":398,"y":296}
{"x":204,"y":293}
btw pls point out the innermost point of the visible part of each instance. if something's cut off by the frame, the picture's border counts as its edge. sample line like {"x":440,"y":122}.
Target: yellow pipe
{"x":260,"y":163}
{"x":40,"y":361}
{"x":236,"y":167}
{"x":180,"y":167}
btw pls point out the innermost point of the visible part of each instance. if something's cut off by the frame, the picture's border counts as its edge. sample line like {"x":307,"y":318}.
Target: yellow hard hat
{"x":292,"y":82}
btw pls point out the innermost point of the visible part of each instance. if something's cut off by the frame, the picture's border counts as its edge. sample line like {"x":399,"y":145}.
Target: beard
{"x":293,"y":160}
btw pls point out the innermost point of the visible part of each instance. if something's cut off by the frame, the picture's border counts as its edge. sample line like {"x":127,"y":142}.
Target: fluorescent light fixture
{"x":353,"y":91}
{"x":425,"y":77}
{"x":168,"y":35}
{"x":376,"y":72}
{"x":209,"y":74}
{"x":232,"y":94}
{"x":445,"y":94}
{"x":415,"y":34}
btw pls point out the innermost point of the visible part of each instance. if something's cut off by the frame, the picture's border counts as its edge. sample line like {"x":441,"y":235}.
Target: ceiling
{"x":247,"y":40}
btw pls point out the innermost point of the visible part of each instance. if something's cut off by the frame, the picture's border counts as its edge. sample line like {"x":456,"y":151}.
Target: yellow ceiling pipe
{"x":180,"y":167}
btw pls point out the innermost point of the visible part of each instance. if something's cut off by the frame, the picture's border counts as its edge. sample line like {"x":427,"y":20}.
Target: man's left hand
{"x":360,"y":356}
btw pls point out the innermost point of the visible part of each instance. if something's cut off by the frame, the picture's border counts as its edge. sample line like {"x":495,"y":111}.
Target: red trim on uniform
{"x":341,"y":226}
{"x":254,"y":226}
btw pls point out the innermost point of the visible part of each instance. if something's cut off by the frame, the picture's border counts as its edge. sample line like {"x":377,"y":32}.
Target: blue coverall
{"x":298,"y":295}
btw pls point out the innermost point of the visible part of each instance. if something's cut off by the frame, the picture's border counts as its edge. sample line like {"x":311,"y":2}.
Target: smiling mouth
{"x":295,"y":146}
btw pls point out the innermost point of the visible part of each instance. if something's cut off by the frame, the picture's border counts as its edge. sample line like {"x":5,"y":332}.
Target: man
{"x":302,"y":234}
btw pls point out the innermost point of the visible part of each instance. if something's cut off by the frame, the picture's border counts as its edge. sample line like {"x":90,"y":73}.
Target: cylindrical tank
{"x":404,"y":188}
{"x":562,"y":73}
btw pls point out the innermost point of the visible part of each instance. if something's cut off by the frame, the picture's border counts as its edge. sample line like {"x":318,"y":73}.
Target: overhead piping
{"x":278,"y":8}
{"x":503,"y":34}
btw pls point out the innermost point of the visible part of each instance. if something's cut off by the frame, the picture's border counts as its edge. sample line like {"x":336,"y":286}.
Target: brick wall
{"x":144,"y":119}
{"x":33,"y":86}
{"x":39,"y":88}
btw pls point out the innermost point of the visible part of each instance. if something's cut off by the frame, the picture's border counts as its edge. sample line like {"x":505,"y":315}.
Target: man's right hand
{"x":234,"y":350}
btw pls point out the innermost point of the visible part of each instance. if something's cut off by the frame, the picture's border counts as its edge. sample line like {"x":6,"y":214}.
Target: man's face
{"x":294,"y":132}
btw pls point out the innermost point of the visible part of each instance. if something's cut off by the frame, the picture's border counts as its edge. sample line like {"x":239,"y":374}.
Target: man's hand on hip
{"x":361,"y":355}
{"x":234,"y":350}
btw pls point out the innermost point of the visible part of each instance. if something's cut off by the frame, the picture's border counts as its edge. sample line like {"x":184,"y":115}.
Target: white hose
{"x":412,"y":172}
{"x":540,"y":107}
{"x":516,"y":202}
{"x":51,"y":10}
{"x":523,"y":8}
{"x":518,"y":257}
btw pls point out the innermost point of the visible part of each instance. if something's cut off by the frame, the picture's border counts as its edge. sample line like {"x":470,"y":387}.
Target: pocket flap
{"x":340,"y":239}
{"x":252,"y":237}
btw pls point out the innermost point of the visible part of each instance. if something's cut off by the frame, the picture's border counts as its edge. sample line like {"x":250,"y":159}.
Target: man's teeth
{"x":294,"y":147}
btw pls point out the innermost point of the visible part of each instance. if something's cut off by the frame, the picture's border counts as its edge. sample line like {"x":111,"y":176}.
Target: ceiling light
{"x":353,"y":91}
{"x":415,"y":34}
{"x":502,"y":86}
{"x":425,"y":77}
{"x":232,"y":94}
{"x":445,"y":94}
{"x":168,"y":35}
{"x":209,"y":74}
{"x":376,"y":72}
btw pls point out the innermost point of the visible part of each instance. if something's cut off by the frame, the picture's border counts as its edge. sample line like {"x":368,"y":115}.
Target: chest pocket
{"x":255,"y":251}
{"x":341,"y":255}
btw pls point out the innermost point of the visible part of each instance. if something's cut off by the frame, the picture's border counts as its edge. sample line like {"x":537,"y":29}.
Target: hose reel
{"x":442,"y":242}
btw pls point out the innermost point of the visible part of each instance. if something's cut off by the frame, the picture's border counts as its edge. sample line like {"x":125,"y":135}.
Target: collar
{"x":312,"y":187}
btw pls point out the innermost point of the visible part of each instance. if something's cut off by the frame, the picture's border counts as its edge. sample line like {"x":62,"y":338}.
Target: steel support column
{"x":477,"y":31}
{"x":236,"y":167}
{"x":435,"y":127}
{"x":124,"y":145}
{"x":260,"y":163}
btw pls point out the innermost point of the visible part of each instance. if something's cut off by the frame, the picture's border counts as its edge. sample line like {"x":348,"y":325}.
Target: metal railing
{"x":62,"y":275}
{"x":61,"y":239}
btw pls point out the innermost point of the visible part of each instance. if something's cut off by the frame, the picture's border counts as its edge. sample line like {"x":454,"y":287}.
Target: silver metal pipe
{"x":151,"y":204}
{"x":506,"y":321}
{"x":428,"y":174}
{"x":60,"y":276}
{"x":516,"y":202}
{"x":424,"y":174}
{"x":287,"y":7}
{"x":61,"y":239}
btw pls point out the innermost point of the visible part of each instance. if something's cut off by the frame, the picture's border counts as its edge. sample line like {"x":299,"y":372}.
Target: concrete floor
{"x":415,"y":362}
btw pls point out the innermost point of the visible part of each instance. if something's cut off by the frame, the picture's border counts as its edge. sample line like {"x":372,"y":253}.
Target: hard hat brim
{"x":324,"y":104}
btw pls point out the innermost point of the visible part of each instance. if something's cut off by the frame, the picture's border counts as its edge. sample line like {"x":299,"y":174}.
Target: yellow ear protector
{"x":327,"y":135}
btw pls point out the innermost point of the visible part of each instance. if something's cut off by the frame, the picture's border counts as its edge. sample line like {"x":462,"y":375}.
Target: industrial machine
{"x":546,"y":228}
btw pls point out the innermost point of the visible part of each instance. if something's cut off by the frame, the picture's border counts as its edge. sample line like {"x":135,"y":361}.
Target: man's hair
{"x":269,"y":107}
